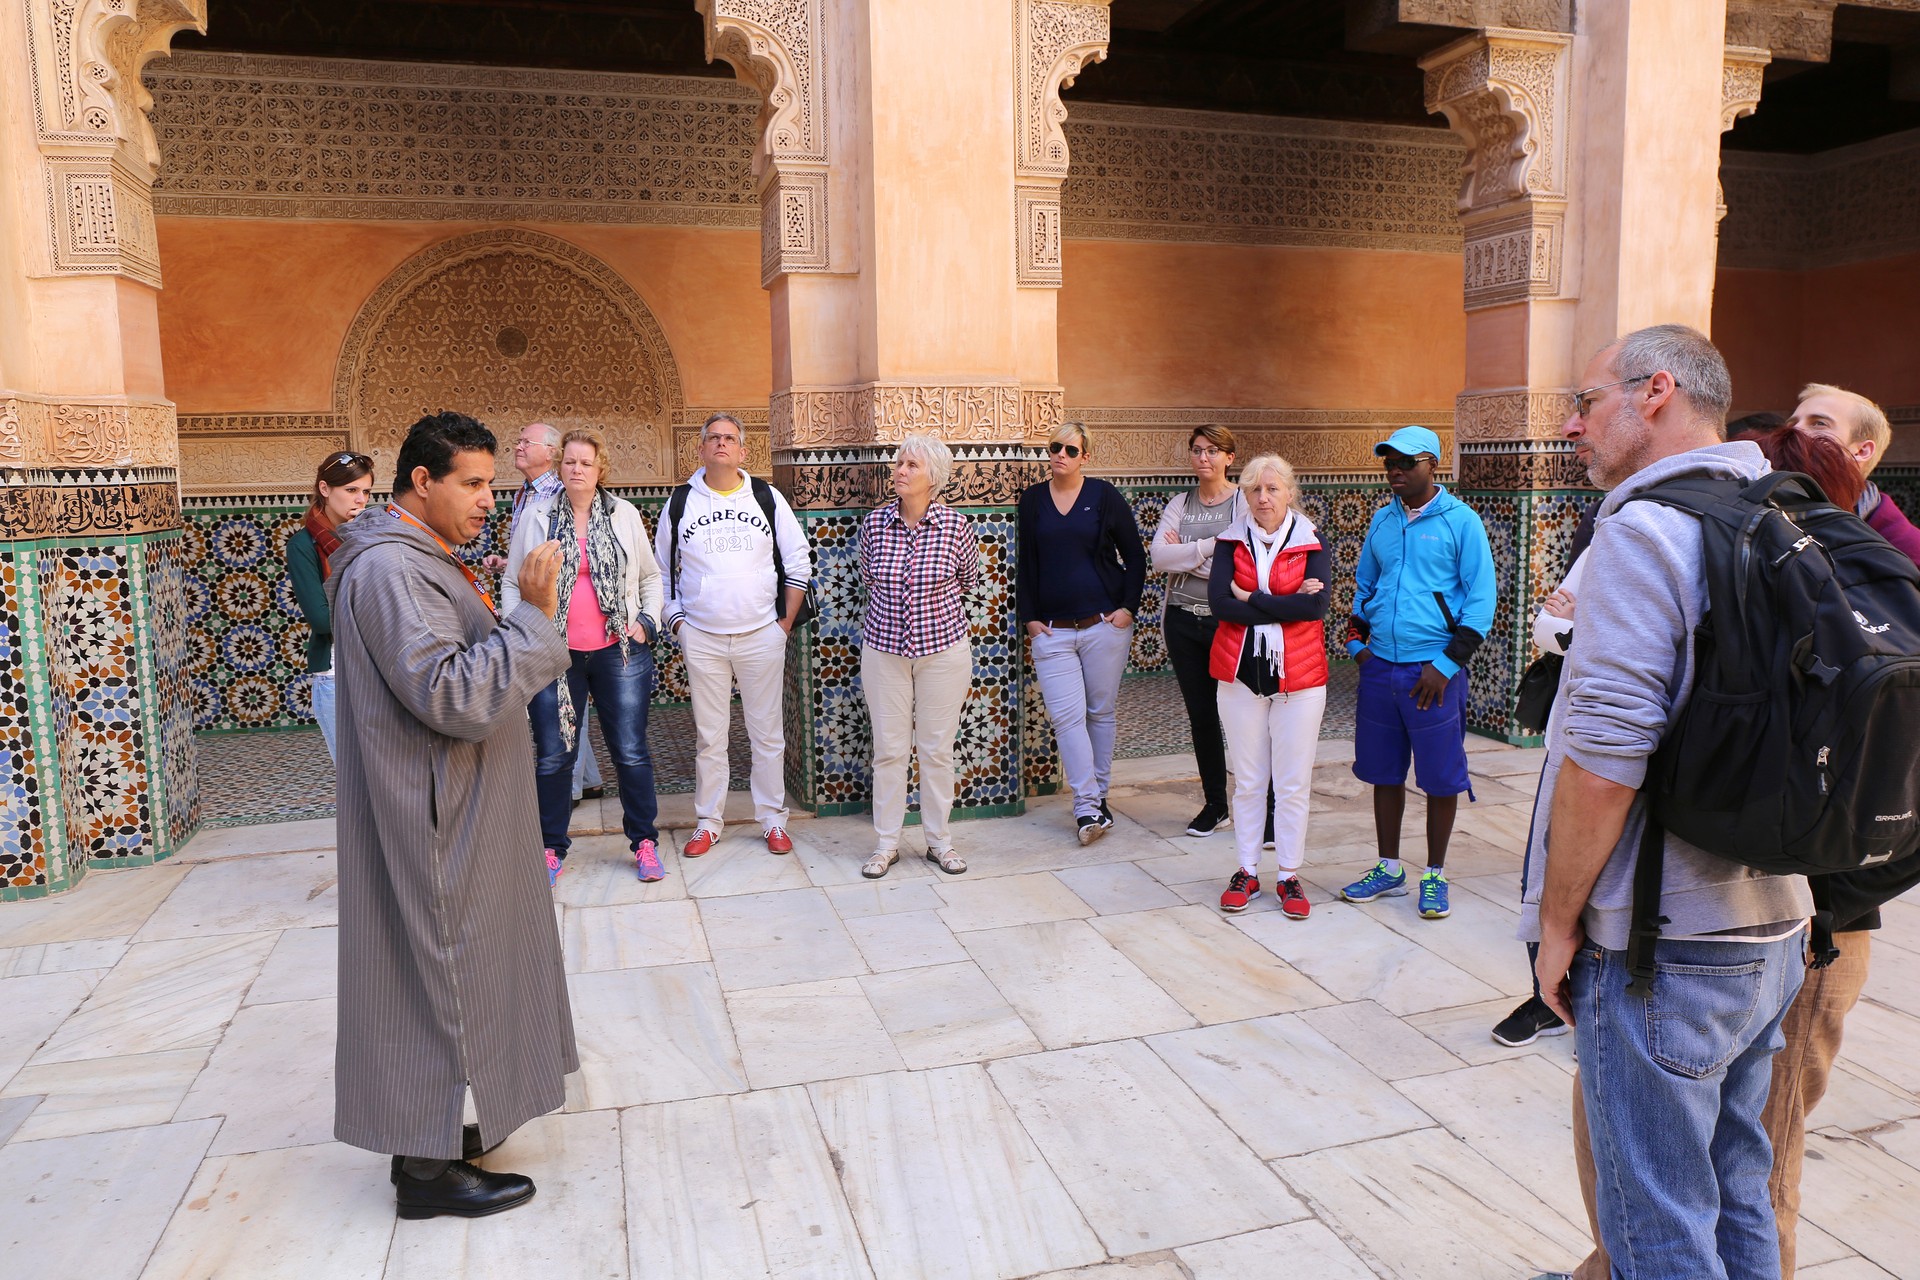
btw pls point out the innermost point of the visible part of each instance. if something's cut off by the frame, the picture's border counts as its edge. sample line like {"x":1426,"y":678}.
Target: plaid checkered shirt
{"x":917,"y":579}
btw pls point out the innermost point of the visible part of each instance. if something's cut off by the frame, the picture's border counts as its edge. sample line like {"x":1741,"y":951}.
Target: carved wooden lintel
{"x":1052,"y":41}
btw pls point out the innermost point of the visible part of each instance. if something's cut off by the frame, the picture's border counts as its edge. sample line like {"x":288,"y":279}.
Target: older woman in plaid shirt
{"x":918,"y":558}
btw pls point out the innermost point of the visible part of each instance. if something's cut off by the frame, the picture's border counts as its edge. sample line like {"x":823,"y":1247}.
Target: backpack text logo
{"x":1868,"y":627}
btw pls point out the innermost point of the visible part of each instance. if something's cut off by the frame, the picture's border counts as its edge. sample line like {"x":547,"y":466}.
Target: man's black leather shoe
{"x":463,"y":1191}
{"x":470,"y":1149}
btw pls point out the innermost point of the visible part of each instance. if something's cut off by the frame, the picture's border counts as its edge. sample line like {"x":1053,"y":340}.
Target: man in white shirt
{"x":737,"y":566}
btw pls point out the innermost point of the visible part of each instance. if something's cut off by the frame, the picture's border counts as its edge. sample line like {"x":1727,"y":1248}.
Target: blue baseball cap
{"x":1410,"y":442}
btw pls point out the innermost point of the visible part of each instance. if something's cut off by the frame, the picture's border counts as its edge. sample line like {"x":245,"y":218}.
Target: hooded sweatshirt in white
{"x":726,"y":584}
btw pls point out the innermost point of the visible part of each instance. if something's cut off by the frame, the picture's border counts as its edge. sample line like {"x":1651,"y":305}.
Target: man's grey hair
{"x":546,"y":433}
{"x":1698,"y":368}
{"x":934,"y":456}
{"x":722,"y":416}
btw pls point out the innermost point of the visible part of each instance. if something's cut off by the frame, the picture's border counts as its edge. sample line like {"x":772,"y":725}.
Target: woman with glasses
{"x":341,"y":486}
{"x":1183,"y":550}
{"x":609,"y":603}
{"x":1077,"y":588}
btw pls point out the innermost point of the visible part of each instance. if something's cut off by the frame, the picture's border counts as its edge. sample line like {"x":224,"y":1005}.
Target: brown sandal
{"x":947,"y":860}
{"x":880,"y":863}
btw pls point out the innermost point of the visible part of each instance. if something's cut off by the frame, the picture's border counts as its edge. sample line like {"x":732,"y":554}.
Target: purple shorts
{"x":1390,"y":730}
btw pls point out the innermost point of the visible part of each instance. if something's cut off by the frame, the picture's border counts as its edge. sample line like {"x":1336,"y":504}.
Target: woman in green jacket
{"x":340,"y":491}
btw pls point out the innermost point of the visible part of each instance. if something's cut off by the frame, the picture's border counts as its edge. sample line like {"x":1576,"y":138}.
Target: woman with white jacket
{"x":609,"y":605}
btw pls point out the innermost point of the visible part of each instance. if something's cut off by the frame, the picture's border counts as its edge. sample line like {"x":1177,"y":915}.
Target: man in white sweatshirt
{"x":737,"y":567}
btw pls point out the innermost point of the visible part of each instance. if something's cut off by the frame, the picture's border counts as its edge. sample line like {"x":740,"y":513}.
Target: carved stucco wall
{"x":1852,"y":204}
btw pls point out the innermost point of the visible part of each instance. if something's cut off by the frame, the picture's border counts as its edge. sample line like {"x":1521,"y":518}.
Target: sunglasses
{"x":347,"y":459}
{"x":1061,"y":446}
{"x":1400,"y":461}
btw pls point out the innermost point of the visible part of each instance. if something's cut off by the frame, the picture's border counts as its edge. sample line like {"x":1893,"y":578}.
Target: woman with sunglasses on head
{"x":1080,"y":572}
{"x":341,"y":487}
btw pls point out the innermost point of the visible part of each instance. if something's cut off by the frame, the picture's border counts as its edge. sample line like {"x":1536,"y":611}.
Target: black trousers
{"x":1189,"y":648}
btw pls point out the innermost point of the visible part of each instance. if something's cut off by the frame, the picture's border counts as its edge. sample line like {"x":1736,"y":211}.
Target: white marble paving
{"x":1358,"y":958}
{"x":98,"y":1094}
{"x":600,"y":874}
{"x":736,"y":1188}
{"x":1299,"y":1249}
{"x":212,"y":843}
{"x":904,"y":940}
{"x":650,"y":1035}
{"x":739,"y":863}
{"x":1854,"y":1268}
{"x":1518,"y":1113}
{"x":810,"y":1031}
{"x":36,"y":1007}
{"x":1215,"y":971}
{"x":1865,"y":1200}
{"x":176,"y":994}
{"x":61,"y":957}
{"x":883,"y":897}
{"x":271,"y":1077}
{"x":1379,"y":1041}
{"x":1070,"y":984}
{"x":945,"y":1015}
{"x":1117,"y":887}
{"x":252,"y":895}
{"x":1147,"y":1162}
{"x":14,"y":1113}
{"x":944,"y":1182}
{"x":1008,"y":900}
{"x":303,"y":965}
{"x":106,"y":904}
{"x":772,"y":939}
{"x":633,"y":936}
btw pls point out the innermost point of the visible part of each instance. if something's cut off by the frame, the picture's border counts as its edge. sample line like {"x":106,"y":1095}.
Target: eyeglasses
{"x":1584,"y":400}
{"x":1207,"y":451}
{"x":1061,"y":446}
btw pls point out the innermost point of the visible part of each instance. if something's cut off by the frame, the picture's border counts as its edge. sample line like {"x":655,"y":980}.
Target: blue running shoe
{"x":1377,"y":883}
{"x":1433,"y":896}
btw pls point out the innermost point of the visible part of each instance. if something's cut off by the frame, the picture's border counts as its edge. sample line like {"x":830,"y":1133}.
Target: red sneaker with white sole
{"x":778,"y":841}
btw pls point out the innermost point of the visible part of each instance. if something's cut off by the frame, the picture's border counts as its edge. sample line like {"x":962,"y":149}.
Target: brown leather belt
{"x":1075,"y":624}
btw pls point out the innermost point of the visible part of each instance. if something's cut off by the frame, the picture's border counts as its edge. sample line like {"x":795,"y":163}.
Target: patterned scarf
{"x":325,"y":540}
{"x":606,"y":570}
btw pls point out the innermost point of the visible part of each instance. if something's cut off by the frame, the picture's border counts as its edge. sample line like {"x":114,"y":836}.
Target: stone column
{"x":95,"y":722}
{"x":1589,"y":200}
{"x":912,"y":237}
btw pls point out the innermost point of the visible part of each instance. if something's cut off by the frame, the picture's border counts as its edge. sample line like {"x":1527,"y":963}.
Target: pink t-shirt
{"x":586,"y":623}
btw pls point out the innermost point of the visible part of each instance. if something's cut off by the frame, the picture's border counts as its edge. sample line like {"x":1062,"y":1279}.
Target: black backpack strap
{"x":763,"y":494}
{"x":1820,"y":949}
{"x":676,"y":507}
{"x":1647,"y":920}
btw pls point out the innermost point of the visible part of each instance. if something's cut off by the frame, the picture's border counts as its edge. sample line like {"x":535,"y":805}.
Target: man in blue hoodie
{"x":1423,"y":601}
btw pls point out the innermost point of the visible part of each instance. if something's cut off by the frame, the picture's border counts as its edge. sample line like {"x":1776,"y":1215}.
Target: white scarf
{"x":1267,"y":640}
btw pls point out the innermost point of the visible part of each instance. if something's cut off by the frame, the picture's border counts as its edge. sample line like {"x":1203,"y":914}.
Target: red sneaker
{"x":1293,"y":898}
{"x":778,"y":841}
{"x":701,"y":842}
{"x":1241,"y":890}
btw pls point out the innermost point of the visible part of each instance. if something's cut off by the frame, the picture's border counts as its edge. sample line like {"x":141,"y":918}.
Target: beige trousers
{"x":1812,"y":1027}
{"x":914,"y":704}
{"x":757,"y":662}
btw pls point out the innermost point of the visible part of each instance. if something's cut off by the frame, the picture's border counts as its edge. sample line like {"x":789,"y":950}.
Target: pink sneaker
{"x":646,"y":862}
{"x":554,"y":868}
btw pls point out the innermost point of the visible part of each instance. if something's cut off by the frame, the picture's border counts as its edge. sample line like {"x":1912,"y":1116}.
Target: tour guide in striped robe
{"x":450,"y":970}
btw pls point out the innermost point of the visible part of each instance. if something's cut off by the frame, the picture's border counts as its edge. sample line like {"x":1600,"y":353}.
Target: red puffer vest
{"x":1304,"y":647}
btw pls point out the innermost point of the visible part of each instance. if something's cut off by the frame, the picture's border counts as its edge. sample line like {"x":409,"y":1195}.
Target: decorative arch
{"x":512,"y":326}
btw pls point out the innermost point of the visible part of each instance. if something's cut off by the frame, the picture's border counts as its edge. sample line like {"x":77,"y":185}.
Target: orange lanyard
{"x":401,"y":513}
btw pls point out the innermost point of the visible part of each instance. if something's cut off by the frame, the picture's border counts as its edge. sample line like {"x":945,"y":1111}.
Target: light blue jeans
{"x":1079,"y":674}
{"x":1674,"y":1087}
{"x":323,"y":703}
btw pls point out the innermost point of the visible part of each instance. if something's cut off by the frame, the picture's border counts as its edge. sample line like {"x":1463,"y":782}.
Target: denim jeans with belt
{"x":620,"y":692}
{"x":1675,"y":1085}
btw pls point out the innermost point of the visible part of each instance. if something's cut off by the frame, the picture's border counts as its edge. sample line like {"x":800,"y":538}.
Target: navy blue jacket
{"x":1121,"y":562}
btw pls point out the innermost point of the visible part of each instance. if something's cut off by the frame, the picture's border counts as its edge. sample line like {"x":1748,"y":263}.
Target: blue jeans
{"x":620,"y":692}
{"x":323,"y":703}
{"x":1674,"y":1087}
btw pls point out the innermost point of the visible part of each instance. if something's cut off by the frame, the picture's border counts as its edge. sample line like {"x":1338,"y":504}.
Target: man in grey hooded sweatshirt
{"x":1674,"y":1083}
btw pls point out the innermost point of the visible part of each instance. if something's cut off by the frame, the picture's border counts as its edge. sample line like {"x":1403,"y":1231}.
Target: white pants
{"x":914,"y":704}
{"x":1271,"y":740}
{"x":757,"y":660}
{"x":1079,"y":674}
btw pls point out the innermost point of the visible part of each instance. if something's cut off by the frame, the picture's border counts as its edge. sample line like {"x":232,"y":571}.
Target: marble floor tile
{"x":291,"y":1214}
{"x":1814,"y":1247}
{"x":1503,"y":825}
{"x":1117,"y":887}
{"x":1466,"y":1031}
{"x":1863,"y":1197}
{"x":94,"y":1205}
{"x":904,"y":940}
{"x":1524,"y":763}
{"x":1148,"y":1163}
{"x":740,"y":864}
{"x":772,"y":939}
{"x":1518,"y":1113}
{"x":1854,"y":1268}
{"x":906,"y":1142}
{"x":252,"y":895}
{"x":600,"y":874}
{"x":1379,"y":1041}
{"x":1296,"y":1250}
{"x":61,"y":957}
{"x":35,"y":1008}
{"x":303,"y":965}
{"x":1476,"y":938}
{"x":633,"y":936}
{"x":1284,"y":1087}
{"x":810,"y":1031}
{"x":1213,"y":969}
{"x":14,"y":1113}
{"x":1901,"y":1141}
{"x":575,"y":1225}
{"x":1893,"y":978}
{"x":271,"y":1077}
{"x":106,"y":904}
{"x":212,"y":843}
{"x":735,"y":1189}
{"x":100,"y":1094}
{"x":176,"y":994}
{"x":1043,"y":839}
{"x":1008,"y":900}
{"x":1881,"y":1042}
{"x":946,"y":1015}
{"x":651,"y":1035}
{"x":1358,"y":958}
{"x":835,"y":849}
{"x":1428,"y":1207}
{"x":1209,"y":866}
{"x":1159,"y":1265}
{"x":1470,"y":856}
{"x":1070,"y":985}
{"x":890,"y":896}
{"x":1857,"y":1104}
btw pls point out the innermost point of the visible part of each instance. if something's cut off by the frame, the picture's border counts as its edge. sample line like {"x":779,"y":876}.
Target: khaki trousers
{"x":914,"y":704}
{"x":757,"y":662}
{"x":1812,"y":1027}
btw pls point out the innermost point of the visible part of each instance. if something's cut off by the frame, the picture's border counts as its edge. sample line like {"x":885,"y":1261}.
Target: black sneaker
{"x":1090,"y":828}
{"x":1528,"y":1023}
{"x":1211,"y":818}
{"x":1106,"y":815}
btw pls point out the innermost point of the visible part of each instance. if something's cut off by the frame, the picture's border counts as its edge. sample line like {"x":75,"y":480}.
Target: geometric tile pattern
{"x":23,"y":853}
{"x":170,"y":732}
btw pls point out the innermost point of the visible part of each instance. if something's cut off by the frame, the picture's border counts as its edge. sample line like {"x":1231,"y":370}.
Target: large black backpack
{"x":1798,"y":752}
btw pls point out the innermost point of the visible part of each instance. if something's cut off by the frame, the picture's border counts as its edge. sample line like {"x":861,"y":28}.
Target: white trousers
{"x":914,"y":704}
{"x":757,"y":661}
{"x":1271,"y":740}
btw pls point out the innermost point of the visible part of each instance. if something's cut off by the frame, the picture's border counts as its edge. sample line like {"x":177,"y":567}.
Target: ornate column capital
{"x":1798,"y":29}
{"x":1741,"y":80}
{"x":780,"y":48}
{"x":886,"y":412}
{"x":99,"y":156}
{"x":1053,"y":40}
